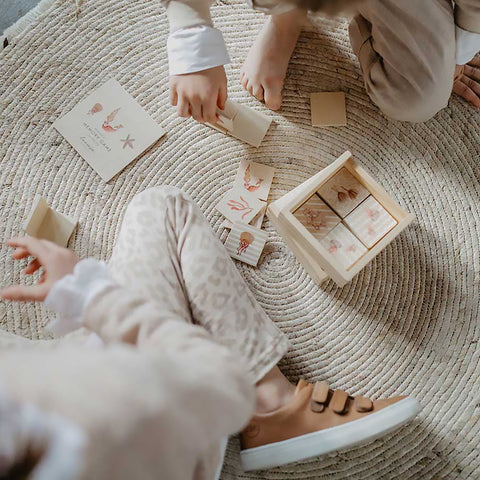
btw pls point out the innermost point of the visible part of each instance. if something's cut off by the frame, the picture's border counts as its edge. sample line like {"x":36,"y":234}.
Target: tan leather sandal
{"x":319,"y":421}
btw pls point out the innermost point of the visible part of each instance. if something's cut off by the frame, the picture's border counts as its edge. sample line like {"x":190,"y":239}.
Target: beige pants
{"x":406,"y":51}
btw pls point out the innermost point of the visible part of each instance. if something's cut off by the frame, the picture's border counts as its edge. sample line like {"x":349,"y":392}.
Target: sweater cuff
{"x":195,"y":49}
{"x":467,"y":19}
{"x":468,"y":45}
{"x":70,"y":295}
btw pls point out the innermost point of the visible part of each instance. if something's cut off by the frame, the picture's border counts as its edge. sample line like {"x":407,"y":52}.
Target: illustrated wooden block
{"x":343,"y":192}
{"x":238,"y":206}
{"x":314,"y":255}
{"x":344,"y":246}
{"x":45,"y":223}
{"x":246,"y":243}
{"x":370,"y":222}
{"x":328,"y":109}
{"x":243,"y":123}
{"x":254,"y":178}
{"x":317,"y":216}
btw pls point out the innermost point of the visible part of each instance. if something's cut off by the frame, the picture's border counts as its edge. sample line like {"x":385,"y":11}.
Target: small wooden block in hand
{"x":47,"y":224}
{"x":328,"y":109}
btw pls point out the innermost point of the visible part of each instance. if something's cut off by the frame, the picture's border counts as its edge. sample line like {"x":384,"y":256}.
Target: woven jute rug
{"x":408,"y":324}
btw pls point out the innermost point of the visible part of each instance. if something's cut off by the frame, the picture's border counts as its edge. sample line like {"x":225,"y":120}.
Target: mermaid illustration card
{"x":254,"y":178}
{"x":109,"y":129}
{"x":246,"y":243}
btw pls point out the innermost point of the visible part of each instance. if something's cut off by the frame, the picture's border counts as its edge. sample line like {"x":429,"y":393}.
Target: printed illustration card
{"x":246,"y":243}
{"x":238,"y":206}
{"x":109,"y":129}
{"x":254,"y":178}
{"x":256,"y":222}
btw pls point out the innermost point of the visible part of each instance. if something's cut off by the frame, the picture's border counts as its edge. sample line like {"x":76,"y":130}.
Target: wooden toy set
{"x":338,"y":221}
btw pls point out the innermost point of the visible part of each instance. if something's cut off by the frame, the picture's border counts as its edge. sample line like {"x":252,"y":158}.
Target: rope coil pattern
{"x":407,"y":324}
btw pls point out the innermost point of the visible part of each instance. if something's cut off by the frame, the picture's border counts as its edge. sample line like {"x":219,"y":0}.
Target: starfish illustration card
{"x":238,"y":206}
{"x":109,"y":129}
{"x":245,"y":243}
{"x":255,"y":178}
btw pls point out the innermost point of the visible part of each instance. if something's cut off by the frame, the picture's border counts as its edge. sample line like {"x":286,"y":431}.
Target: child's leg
{"x":264,"y":70}
{"x":407,"y":54}
{"x":167,"y":250}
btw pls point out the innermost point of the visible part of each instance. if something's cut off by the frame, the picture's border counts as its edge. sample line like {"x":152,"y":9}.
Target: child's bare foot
{"x":264,"y":70}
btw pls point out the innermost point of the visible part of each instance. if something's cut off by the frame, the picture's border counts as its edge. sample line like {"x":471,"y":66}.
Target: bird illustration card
{"x":246,"y":243}
{"x":370,"y":222}
{"x":238,"y":206}
{"x":254,"y":178}
{"x":109,"y":129}
{"x":343,"y":192}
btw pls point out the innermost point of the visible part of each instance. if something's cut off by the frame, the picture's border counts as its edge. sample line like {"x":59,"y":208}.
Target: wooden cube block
{"x":317,"y":217}
{"x":328,"y":109}
{"x":343,"y":245}
{"x":343,"y":192}
{"x":245,"y":243}
{"x":370,"y":222}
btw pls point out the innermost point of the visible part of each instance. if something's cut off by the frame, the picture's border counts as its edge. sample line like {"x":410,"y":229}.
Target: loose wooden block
{"x":343,"y":192}
{"x":256,"y":222}
{"x":243,"y":123}
{"x":45,"y":223}
{"x":238,"y":206}
{"x":370,"y":222}
{"x":328,"y":109}
{"x":315,"y":257}
{"x":317,"y":216}
{"x":254,"y":178}
{"x":344,"y":246}
{"x":246,"y":243}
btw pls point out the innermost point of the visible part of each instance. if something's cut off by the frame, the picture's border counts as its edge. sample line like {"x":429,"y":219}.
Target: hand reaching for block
{"x":57,"y":262}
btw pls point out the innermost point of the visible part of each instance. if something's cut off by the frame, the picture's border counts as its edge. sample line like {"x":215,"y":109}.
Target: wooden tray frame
{"x":315,"y":258}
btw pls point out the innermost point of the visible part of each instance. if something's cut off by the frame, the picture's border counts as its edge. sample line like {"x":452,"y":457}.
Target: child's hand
{"x":56,"y":262}
{"x":467,"y":81}
{"x":198,"y":94}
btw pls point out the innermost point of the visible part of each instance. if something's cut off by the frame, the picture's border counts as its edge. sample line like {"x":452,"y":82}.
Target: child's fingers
{"x":173,"y":96}
{"x":20,"y":253}
{"x":222,"y":97}
{"x":36,"y":247}
{"x":465,"y":92}
{"x":196,"y":109}
{"x":32,"y":267}
{"x":183,"y":107}
{"x":21,"y":293}
{"x":209,"y":111}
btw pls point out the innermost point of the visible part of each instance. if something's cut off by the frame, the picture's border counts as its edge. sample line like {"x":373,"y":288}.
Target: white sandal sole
{"x":331,"y":439}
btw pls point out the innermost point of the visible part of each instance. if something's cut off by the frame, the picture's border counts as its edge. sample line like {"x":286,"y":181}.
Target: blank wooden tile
{"x":343,"y":192}
{"x":328,"y":109}
{"x":343,"y":245}
{"x":317,"y":217}
{"x":370,"y":222}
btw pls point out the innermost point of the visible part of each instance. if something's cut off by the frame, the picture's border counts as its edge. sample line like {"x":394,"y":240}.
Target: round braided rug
{"x":408,"y":323}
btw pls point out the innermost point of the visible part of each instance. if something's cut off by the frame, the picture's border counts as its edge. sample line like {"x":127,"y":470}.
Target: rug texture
{"x":407,"y":324}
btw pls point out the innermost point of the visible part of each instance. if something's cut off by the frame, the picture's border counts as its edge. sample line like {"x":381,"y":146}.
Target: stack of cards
{"x":244,"y":208}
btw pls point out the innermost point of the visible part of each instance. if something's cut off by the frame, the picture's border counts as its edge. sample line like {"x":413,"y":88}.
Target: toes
{"x":273,"y":97}
{"x":244,"y":82}
{"x":258,"y":92}
{"x":250,"y":88}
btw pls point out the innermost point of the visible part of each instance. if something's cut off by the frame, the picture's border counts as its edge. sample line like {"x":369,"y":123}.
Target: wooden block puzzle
{"x":339,"y":255}
{"x":328,"y":109}
{"x":343,"y":192}
{"x":370,"y":222}
{"x":238,"y":206}
{"x":317,"y":216}
{"x":256,"y":222}
{"x":246,"y":243}
{"x":243,"y":123}
{"x":45,"y":223}
{"x":254,"y":178}
{"x":343,"y":245}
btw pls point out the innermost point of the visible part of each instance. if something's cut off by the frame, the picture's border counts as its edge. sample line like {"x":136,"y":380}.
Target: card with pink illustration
{"x":370,"y":222}
{"x":343,"y":192}
{"x":246,"y":243}
{"x":238,"y":206}
{"x":109,"y":129}
{"x":317,"y":217}
{"x":255,"y":178}
{"x":256,"y":222}
{"x":343,"y":245}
